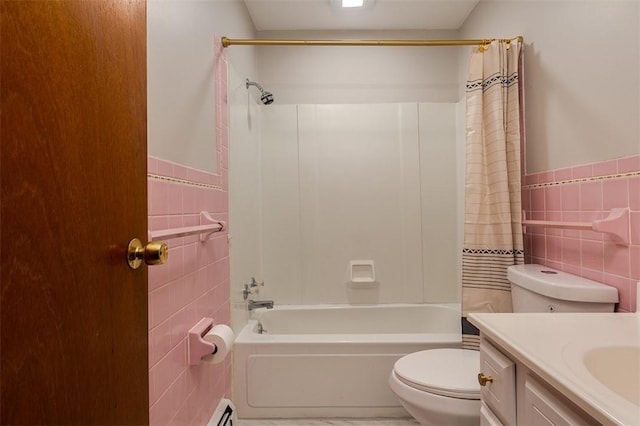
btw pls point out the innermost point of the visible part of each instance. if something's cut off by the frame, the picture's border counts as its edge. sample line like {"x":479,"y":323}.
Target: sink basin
{"x":617,"y":368}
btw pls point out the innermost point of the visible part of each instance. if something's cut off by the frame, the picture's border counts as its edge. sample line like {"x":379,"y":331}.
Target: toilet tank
{"x":537,"y":288}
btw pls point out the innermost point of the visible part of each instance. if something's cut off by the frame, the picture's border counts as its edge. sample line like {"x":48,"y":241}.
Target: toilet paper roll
{"x":222,"y":337}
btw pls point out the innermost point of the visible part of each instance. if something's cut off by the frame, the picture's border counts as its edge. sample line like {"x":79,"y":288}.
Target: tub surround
{"x":553,"y":346}
{"x":333,"y":177}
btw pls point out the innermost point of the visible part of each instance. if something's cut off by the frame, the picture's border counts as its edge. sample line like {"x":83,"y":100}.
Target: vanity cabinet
{"x":513,"y":395}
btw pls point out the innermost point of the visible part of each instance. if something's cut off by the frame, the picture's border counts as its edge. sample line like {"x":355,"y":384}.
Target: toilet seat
{"x":446,"y":372}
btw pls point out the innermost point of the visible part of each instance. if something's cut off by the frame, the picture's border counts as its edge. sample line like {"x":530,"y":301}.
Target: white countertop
{"x":552,"y":346}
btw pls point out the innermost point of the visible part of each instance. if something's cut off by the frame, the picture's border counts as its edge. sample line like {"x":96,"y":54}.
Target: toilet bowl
{"x":440,"y":386}
{"x":446,"y":395}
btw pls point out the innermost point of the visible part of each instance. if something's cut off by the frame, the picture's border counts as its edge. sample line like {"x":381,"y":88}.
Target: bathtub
{"x":332,"y":360}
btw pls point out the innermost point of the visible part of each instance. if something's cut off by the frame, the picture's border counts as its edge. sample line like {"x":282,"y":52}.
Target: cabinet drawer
{"x":542,"y":407}
{"x":500,"y":394}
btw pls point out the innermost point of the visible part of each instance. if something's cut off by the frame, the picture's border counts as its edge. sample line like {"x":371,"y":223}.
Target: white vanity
{"x":559,"y":368}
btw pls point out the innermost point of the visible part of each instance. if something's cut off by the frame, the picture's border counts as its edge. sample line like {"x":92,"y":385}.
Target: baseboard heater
{"x":224,"y":415}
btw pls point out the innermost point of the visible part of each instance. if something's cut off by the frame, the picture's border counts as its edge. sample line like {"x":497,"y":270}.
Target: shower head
{"x":266,"y":97}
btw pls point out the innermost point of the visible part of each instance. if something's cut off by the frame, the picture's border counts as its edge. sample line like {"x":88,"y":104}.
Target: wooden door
{"x":73,"y":169}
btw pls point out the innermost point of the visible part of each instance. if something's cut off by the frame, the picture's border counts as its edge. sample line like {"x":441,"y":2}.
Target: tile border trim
{"x":170,"y":179}
{"x":580,"y":180}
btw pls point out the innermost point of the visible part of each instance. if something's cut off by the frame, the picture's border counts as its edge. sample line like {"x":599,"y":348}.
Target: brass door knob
{"x":482,"y":379}
{"x":154,"y":253}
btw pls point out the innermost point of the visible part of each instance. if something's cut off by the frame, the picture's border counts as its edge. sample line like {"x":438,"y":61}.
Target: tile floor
{"x":327,"y":422}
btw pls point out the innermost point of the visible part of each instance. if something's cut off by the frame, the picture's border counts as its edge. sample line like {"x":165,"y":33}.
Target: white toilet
{"x":440,"y":386}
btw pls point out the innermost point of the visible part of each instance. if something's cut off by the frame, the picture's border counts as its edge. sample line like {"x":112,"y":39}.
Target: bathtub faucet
{"x":255,"y":304}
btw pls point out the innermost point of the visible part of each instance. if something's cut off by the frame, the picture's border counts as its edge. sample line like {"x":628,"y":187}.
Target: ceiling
{"x":290,"y":15}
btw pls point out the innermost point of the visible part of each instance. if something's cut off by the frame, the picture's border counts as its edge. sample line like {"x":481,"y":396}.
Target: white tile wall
{"x":438,"y":177}
{"x":349,"y":182}
{"x":281,"y":256}
{"x":360,"y":199}
{"x":244,"y":206}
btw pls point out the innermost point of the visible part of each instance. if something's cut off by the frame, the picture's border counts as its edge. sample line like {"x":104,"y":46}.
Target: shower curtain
{"x":492,"y":218}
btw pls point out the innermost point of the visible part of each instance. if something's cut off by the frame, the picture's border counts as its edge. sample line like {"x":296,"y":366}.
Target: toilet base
{"x":431,"y":409}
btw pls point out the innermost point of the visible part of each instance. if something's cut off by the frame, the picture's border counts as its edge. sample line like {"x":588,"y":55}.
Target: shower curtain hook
{"x":485,"y":45}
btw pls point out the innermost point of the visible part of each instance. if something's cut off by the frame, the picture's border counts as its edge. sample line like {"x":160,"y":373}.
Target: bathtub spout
{"x":255,"y":304}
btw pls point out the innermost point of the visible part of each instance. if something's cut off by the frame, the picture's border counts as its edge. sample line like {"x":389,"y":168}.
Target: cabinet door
{"x":542,"y":407}
{"x":499,"y":394}
{"x":488,"y":418}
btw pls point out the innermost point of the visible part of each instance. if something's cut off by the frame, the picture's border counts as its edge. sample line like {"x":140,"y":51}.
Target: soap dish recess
{"x":362,"y":272}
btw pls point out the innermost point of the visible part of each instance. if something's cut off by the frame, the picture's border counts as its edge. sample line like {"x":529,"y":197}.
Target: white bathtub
{"x":332,"y":360}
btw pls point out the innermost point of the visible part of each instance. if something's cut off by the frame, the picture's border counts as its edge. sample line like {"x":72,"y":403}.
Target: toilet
{"x":440,"y":386}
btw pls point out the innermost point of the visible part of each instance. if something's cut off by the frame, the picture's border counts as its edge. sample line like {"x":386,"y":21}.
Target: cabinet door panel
{"x":499,"y":394}
{"x":542,"y":407}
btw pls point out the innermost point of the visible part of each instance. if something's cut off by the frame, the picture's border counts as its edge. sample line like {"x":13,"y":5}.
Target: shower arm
{"x":253,"y":83}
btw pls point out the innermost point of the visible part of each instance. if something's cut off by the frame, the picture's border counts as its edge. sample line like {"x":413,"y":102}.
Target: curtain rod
{"x":226,"y":42}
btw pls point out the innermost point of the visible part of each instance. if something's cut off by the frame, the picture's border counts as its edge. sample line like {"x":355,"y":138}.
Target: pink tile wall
{"x":193,"y":284}
{"x":582,"y":194}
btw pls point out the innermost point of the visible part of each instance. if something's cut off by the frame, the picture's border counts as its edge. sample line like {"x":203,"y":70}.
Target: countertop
{"x":552,"y":345}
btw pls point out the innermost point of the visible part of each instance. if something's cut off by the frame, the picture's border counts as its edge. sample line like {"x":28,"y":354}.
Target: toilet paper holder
{"x":198,"y":347}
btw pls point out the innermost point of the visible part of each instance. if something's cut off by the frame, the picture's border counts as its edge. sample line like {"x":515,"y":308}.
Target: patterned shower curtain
{"x":492,"y":218}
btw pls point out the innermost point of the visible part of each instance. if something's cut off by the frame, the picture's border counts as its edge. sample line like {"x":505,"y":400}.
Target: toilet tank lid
{"x":560,"y":285}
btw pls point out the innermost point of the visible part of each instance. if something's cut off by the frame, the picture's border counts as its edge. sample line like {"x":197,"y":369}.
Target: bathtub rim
{"x":276,"y":306}
{"x":249,"y":335}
